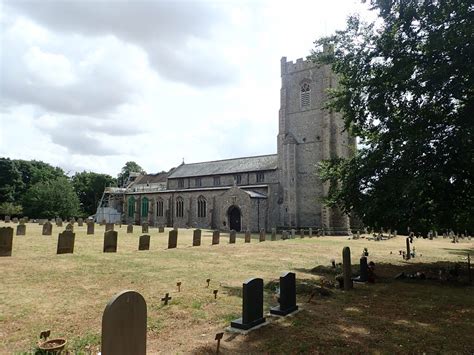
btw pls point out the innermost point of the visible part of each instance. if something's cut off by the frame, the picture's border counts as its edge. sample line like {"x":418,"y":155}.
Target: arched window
{"x":179,"y":207}
{"x":201,"y":204}
{"x":144,"y":206}
{"x":159,"y":208}
{"x":131,"y":206}
{"x":305,"y":95}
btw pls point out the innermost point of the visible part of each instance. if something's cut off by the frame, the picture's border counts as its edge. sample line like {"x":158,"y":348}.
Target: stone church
{"x":278,"y":190}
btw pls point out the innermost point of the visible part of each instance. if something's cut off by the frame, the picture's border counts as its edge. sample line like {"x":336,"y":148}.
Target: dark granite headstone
{"x":161,"y":229}
{"x":232,"y":235}
{"x":252,"y":305}
{"x":21,"y":229}
{"x":124,"y":325}
{"x":172,"y":239}
{"x":247,"y":236}
{"x":144,"y":227}
{"x":66,"y":242}
{"x":130,"y":228}
{"x":196,"y":237}
{"x":287,"y":297}
{"x":363,"y":269}
{"x":274,"y":234}
{"x":90,"y":228}
{"x":347,"y":268}
{"x":47,"y":228}
{"x":110,"y":242}
{"x":262,"y":235}
{"x":6,"y":241}
{"x":109,"y":227}
{"x":70,"y":227}
{"x":144,"y":242}
{"x":216,"y":235}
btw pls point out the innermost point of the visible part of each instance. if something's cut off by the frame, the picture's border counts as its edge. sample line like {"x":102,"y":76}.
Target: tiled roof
{"x":151,"y":178}
{"x":228,"y":166}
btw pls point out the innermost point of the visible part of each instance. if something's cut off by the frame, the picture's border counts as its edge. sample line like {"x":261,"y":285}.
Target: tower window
{"x":179,"y":207}
{"x":305,"y":95}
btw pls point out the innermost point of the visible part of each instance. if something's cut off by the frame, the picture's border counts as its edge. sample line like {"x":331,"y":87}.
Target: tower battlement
{"x":288,"y":67}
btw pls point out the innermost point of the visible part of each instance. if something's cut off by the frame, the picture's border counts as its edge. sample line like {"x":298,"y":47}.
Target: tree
{"x":406,"y":90}
{"x":8,"y":208}
{"x":89,"y":188}
{"x":10,"y":180}
{"x":52,"y":198}
{"x":129,"y":167}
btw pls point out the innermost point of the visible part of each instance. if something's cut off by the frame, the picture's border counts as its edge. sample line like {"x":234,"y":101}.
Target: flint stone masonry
{"x":6,"y":241}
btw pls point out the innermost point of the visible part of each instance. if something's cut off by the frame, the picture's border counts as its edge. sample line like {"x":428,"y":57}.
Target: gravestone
{"x":293,"y":232}
{"x":302,"y":233}
{"x":287,"y":298}
{"x":59,"y":222}
{"x":47,"y":228}
{"x":144,"y":242}
{"x":274,"y":234}
{"x":408,"y":249}
{"x":310,"y":232}
{"x":21,"y":229}
{"x":196,"y":237}
{"x":124,"y":325}
{"x":6,"y":241}
{"x":247,"y":236}
{"x":216,"y":235}
{"x":130,"y":228}
{"x":103,"y":222}
{"x":110,"y":242}
{"x":363,"y":270}
{"x":15,"y":220}
{"x":252,"y":305}
{"x":261,"y":237}
{"x":7,"y":219}
{"x":42,"y":221}
{"x":70,"y":227}
{"x":22,"y":220}
{"x":161,"y":229}
{"x":80,"y":222}
{"x":90,"y":228}
{"x":232,"y":236}
{"x":144,"y":227}
{"x":346,"y":268}
{"x":66,"y":242}
{"x":172,"y":239}
{"x":109,"y":227}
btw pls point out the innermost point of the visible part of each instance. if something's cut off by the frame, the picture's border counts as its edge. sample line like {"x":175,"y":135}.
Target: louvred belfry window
{"x":305,"y":95}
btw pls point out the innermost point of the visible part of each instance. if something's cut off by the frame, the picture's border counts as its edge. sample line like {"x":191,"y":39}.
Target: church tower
{"x":308,"y":134}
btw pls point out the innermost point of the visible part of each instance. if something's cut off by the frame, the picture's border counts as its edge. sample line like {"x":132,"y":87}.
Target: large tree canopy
{"x":406,"y":90}
{"x":129,"y":167}
{"x":89,"y":188}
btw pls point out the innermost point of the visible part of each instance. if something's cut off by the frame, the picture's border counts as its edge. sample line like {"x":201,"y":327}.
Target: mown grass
{"x":67,"y":293}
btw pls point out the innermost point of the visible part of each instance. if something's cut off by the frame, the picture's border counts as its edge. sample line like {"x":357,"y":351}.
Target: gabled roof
{"x":227,"y":166}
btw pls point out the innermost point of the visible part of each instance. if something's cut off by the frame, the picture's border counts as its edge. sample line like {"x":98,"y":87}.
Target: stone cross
{"x":252,"y":305}
{"x":262,"y":235}
{"x":172,"y":239}
{"x":144,"y":227}
{"x":247,"y":236}
{"x":144,"y":242}
{"x":232,"y":237}
{"x":6,"y":241}
{"x":66,"y":242}
{"x":90,"y":228}
{"x":130,"y":228}
{"x":215,"y":237}
{"x":21,"y":229}
{"x":215,"y":293}
{"x":110,"y":241}
{"x":47,"y":228}
{"x":347,"y":268}
{"x":124,"y":325}
{"x":109,"y":227}
{"x":274,"y":234}
{"x":196,"y":237}
{"x":166,"y":299}
{"x":287,"y":298}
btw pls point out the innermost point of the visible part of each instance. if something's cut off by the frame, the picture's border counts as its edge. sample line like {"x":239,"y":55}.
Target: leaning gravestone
{"x":21,"y":229}
{"x":80,"y":222}
{"x":90,"y":228}
{"x":196,"y":237}
{"x":124,"y":325}
{"x":172,"y":239}
{"x":144,"y":242}
{"x":110,"y":242}
{"x":252,"y":305}
{"x":232,"y":237}
{"x":287,"y":299}
{"x":6,"y":241}
{"x":247,"y":236}
{"x":130,"y":228}
{"x":109,"y":227}
{"x":7,"y":219}
{"x":47,"y":228}
{"x":216,"y":235}
{"x":347,"y":268}
{"x":161,"y":229}
{"x":262,"y":235}
{"x":144,"y":227}
{"x":274,"y":234}
{"x":70,"y":227}
{"x":66,"y":242}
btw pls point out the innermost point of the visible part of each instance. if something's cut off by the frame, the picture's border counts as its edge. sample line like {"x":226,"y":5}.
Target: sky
{"x":91,"y":84}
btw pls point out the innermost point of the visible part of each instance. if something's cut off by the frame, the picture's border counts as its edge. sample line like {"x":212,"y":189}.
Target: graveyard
{"x":193,"y":293}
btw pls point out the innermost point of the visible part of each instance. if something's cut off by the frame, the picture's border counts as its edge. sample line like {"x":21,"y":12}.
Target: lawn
{"x":67,"y":293}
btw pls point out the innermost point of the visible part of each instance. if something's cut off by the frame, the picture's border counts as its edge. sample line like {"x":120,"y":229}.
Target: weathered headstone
{"x":408,"y":249}
{"x":7,"y":219}
{"x":124,"y":325}
{"x":110,"y":241}
{"x":232,"y":236}
{"x":15,"y":220}
{"x":103,"y":222}
{"x":302,"y":233}
{"x":80,"y":222}
{"x":144,"y":242}
{"x":287,"y":298}
{"x":130,"y":228}
{"x":310,"y":232}
{"x":22,"y":220}
{"x":347,"y":268}
{"x":70,"y":227}
{"x":59,"y":222}
{"x":90,"y":228}
{"x":172,"y":239}
{"x":66,"y":242}
{"x":284,"y":235}
{"x":21,"y":229}
{"x":196,"y":237}
{"x":216,"y":235}
{"x":274,"y":234}
{"x":47,"y":228}
{"x":252,"y":305}
{"x":247,"y":236}
{"x":161,"y":229}
{"x":109,"y":227}
{"x":262,"y":235}
{"x":6,"y":241}
{"x":363,"y":270}
{"x":144,"y":227}
{"x":293,"y":232}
